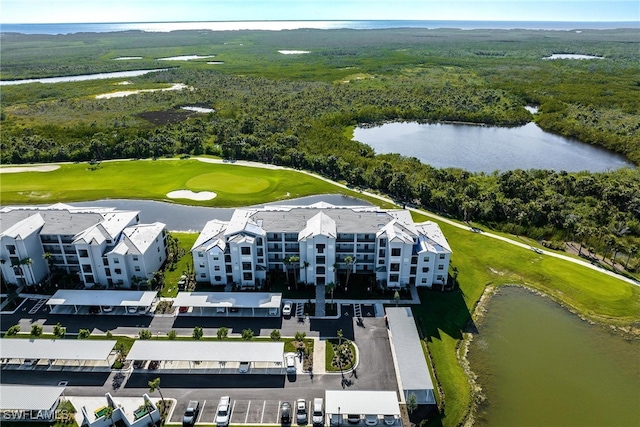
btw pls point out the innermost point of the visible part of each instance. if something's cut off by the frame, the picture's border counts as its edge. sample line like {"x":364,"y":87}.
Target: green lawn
{"x":147,"y":179}
{"x":171,"y":277}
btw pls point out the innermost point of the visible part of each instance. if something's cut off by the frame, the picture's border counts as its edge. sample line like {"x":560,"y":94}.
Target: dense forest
{"x":300,"y":110}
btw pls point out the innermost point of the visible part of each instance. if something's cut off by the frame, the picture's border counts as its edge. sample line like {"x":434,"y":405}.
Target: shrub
{"x":145,"y":334}
{"x":36,"y":330}
{"x":197,"y":333}
{"x":59,"y":331}
{"x":247,"y":334}
{"x":275,"y":335}
{"x":83,"y":334}
{"x":172,"y":334}
{"x":12,"y":331}
{"x":222,"y":333}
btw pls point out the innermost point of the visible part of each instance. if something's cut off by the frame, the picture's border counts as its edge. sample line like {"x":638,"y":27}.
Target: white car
{"x":290,"y":362}
{"x":287,"y":307}
{"x":132,"y":309}
{"x":107,"y":308}
{"x":301,"y":412}
{"x":223,"y":412}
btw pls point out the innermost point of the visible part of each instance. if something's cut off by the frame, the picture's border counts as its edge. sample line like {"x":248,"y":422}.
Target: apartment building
{"x":316,"y":243}
{"x":103,"y":246}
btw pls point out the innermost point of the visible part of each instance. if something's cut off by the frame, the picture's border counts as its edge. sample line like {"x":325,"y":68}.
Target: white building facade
{"x":101,"y":246}
{"x":317,"y":243}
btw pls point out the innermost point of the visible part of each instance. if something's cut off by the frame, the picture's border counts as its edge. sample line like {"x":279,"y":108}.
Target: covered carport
{"x":93,"y":355}
{"x":210,"y":357}
{"x":353,"y":407}
{"x":24,"y":403}
{"x":409,"y":357}
{"x":101,"y":301}
{"x":229,"y":304}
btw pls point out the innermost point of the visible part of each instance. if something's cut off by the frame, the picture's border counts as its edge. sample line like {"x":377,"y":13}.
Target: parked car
{"x":290,"y":362}
{"x":183,"y":309}
{"x":318,"y":412}
{"x":223,"y":412}
{"x":94,"y":309}
{"x":287,"y":307}
{"x":389,"y":420}
{"x":191,"y":414}
{"x":244,"y":367}
{"x":353,"y":418}
{"x":285,"y":413}
{"x":132,"y":309}
{"x":107,"y":308}
{"x":371,"y":420}
{"x":301,"y":411}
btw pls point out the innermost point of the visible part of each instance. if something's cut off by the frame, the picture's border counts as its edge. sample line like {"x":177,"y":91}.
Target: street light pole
{"x":339,"y":417}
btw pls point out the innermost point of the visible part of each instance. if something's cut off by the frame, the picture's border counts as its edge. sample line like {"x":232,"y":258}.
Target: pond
{"x":98,"y":76}
{"x":193,"y":218}
{"x":540,"y":365}
{"x":487,"y":149}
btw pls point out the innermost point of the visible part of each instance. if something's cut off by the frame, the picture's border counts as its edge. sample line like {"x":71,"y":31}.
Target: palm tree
{"x":306,"y":266}
{"x":349,"y":262}
{"x":633,"y":249}
{"x":287,"y":264}
{"x":336,"y":271}
{"x":294,"y":262}
{"x":330,"y":287}
{"x":27,"y":262}
{"x":155,"y":385}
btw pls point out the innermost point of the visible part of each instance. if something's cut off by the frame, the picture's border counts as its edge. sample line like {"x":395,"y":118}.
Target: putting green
{"x":221,"y":181}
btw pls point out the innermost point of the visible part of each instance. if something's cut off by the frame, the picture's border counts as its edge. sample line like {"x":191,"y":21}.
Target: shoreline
{"x":477,"y":396}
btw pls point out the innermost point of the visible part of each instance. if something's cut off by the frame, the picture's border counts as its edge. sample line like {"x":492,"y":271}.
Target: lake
{"x":540,"y":365}
{"x":83,"y":77}
{"x":488,"y":148}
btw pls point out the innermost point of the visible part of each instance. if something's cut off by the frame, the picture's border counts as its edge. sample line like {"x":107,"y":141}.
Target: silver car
{"x":301,"y":411}
{"x":223,"y":412}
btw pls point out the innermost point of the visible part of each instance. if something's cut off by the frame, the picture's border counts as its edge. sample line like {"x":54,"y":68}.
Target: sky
{"x":73,"y":11}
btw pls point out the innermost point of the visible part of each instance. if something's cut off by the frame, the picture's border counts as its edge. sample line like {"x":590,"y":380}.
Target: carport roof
{"x":228,"y":299}
{"x":28,"y":397}
{"x":56,"y":349}
{"x":362,"y":402}
{"x":103,"y":298}
{"x":411,"y":362}
{"x":208,"y":351}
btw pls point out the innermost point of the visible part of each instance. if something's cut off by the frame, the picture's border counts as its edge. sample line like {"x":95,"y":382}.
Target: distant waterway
{"x":540,"y":365}
{"x":83,"y":77}
{"x":193,"y":218}
{"x":488,"y":148}
{"x":72,"y":28}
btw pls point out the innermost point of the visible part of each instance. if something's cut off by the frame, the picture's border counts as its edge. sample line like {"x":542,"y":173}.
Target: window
{"x":395,"y":252}
{"x":320,"y":270}
{"x":424,"y":280}
{"x":247,"y":276}
{"x":83,"y":253}
{"x":245,"y":250}
{"x":441,"y":256}
{"x":203,"y":275}
{"x":394,"y":278}
{"x":201,"y":265}
{"x":107,"y":272}
{"x":137,"y":268}
{"x":383,"y":242}
{"x":135,"y":257}
{"x":441,"y":267}
{"x":11,"y":249}
{"x":86,"y":268}
{"x":246,"y":266}
{"x":216,"y":268}
{"x":200,"y":254}
{"x":320,"y":248}
{"x":426,"y":259}
{"x":394,"y":267}
{"x":425,"y":269}
{"x":217,"y":278}
{"x":89,"y":279}
{"x":215,"y":257}
{"x":413,"y":270}
{"x":320,"y":260}
{"x":440,"y":278}
{"x":118,"y":271}
{"x":116,"y":261}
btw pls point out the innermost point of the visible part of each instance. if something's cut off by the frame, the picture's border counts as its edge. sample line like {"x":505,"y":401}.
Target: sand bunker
{"x":293,"y":52}
{"x":188,"y":194}
{"x":123,"y":93}
{"x":186,"y":57}
{"x":17,"y":169}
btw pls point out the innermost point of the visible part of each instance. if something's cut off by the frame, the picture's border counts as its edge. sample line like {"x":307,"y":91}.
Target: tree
{"x":13,"y":330}
{"x":155,"y":385}
{"x":145,"y":334}
{"x":294,"y":262}
{"x":287,"y":264}
{"x":25,"y":264}
{"x":222,"y":332}
{"x":83,"y":334}
{"x":197,"y":332}
{"x":412,"y":403}
{"x":633,"y":249}
{"x":349,"y":262}
{"x":36,"y":330}
{"x":299,"y":336}
{"x":172,"y":335}
{"x":59,"y":331}
{"x":275,"y":335}
{"x":108,"y":414}
{"x":247,"y":334}
{"x":340,"y":335}
{"x":305,"y":266}
{"x":330,"y":287}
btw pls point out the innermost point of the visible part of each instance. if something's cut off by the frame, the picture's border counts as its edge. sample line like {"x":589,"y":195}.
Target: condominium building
{"x":316,"y":243}
{"x":103,"y":246}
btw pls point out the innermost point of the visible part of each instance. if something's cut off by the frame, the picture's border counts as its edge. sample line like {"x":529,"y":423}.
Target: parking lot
{"x":243,"y":411}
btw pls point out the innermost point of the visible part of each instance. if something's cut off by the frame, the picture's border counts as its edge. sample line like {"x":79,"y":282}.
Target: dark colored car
{"x":191,"y":414}
{"x":285,"y":413}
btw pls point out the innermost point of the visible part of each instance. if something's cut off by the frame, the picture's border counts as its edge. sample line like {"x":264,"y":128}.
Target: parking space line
{"x":278,"y":411}
{"x":201,"y":410}
{"x":263,"y":406}
{"x":246,"y":417}
{"x":233,"y":405}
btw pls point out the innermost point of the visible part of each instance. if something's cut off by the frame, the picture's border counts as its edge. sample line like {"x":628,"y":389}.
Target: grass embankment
{"x":482,"y":261}
{"x":171,"y":277}
{"x":143,"y":179}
